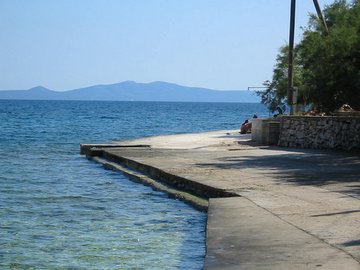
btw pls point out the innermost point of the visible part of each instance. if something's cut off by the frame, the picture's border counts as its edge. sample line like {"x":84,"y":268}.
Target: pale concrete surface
{"x":241,"y":235}
{"x":299,"y":209}
{"x":190,"y":140}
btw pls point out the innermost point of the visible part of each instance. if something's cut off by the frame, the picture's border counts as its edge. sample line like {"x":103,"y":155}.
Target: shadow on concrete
{"x":337,"y":213}
{"x":300,"y":167}
{"x":352,"y":243}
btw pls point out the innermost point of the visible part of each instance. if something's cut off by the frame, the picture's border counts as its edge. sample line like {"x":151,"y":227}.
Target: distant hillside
{"x":132,"y":91}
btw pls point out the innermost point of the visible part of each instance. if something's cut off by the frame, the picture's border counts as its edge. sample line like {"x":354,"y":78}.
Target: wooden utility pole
{"x":291,"y":91}
{"x":320,"y":15}
{"x":291,"y":95}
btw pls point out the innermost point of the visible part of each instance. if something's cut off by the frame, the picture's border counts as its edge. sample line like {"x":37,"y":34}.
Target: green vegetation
{"x":326,"y":64}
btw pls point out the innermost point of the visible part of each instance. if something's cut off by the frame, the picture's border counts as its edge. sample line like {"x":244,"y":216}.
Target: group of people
{"x":246,"y":126}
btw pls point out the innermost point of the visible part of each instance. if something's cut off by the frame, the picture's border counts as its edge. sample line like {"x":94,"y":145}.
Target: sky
{"x":216,"y":44}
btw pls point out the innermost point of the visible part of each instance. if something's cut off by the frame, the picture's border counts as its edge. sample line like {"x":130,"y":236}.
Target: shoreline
{"x":195,"y":201}
{"x":197,"y":196}
{"x":297,"y":191}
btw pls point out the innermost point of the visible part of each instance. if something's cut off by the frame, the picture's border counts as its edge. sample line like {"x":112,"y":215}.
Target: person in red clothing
{"x":245,"y":127}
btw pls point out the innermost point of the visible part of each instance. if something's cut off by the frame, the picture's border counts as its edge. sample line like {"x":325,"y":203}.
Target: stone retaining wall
{"x":330,"y":132}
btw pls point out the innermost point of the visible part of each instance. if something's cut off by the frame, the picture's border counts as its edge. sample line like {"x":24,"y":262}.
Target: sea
{"x":59,"y":210}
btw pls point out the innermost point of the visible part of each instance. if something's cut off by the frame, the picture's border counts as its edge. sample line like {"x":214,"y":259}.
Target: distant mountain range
{"x":132,"y":91}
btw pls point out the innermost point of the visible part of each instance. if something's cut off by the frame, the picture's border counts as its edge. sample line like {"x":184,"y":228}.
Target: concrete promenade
{"x":268,"y":207}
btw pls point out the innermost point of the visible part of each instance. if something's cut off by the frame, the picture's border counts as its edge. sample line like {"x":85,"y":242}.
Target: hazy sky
{"x":218,"y":44}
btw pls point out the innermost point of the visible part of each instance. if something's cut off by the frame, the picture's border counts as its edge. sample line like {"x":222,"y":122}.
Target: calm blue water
{"x":60,"y":211}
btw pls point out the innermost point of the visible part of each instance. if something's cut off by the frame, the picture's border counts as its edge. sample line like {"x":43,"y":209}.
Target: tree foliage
{"x":274,"y":95}
{"x":326,"y":64}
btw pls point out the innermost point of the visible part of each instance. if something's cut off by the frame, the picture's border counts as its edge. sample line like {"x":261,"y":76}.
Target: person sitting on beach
{"x":245,"y":127}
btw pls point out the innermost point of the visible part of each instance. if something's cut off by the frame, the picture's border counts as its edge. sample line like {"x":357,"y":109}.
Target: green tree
{"x":330,"y":61}
{"x":326,"y":64}
{"x":275,"y":94}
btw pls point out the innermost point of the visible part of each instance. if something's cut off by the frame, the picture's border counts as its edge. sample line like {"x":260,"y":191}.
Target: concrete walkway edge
{"x":254,"y":222}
